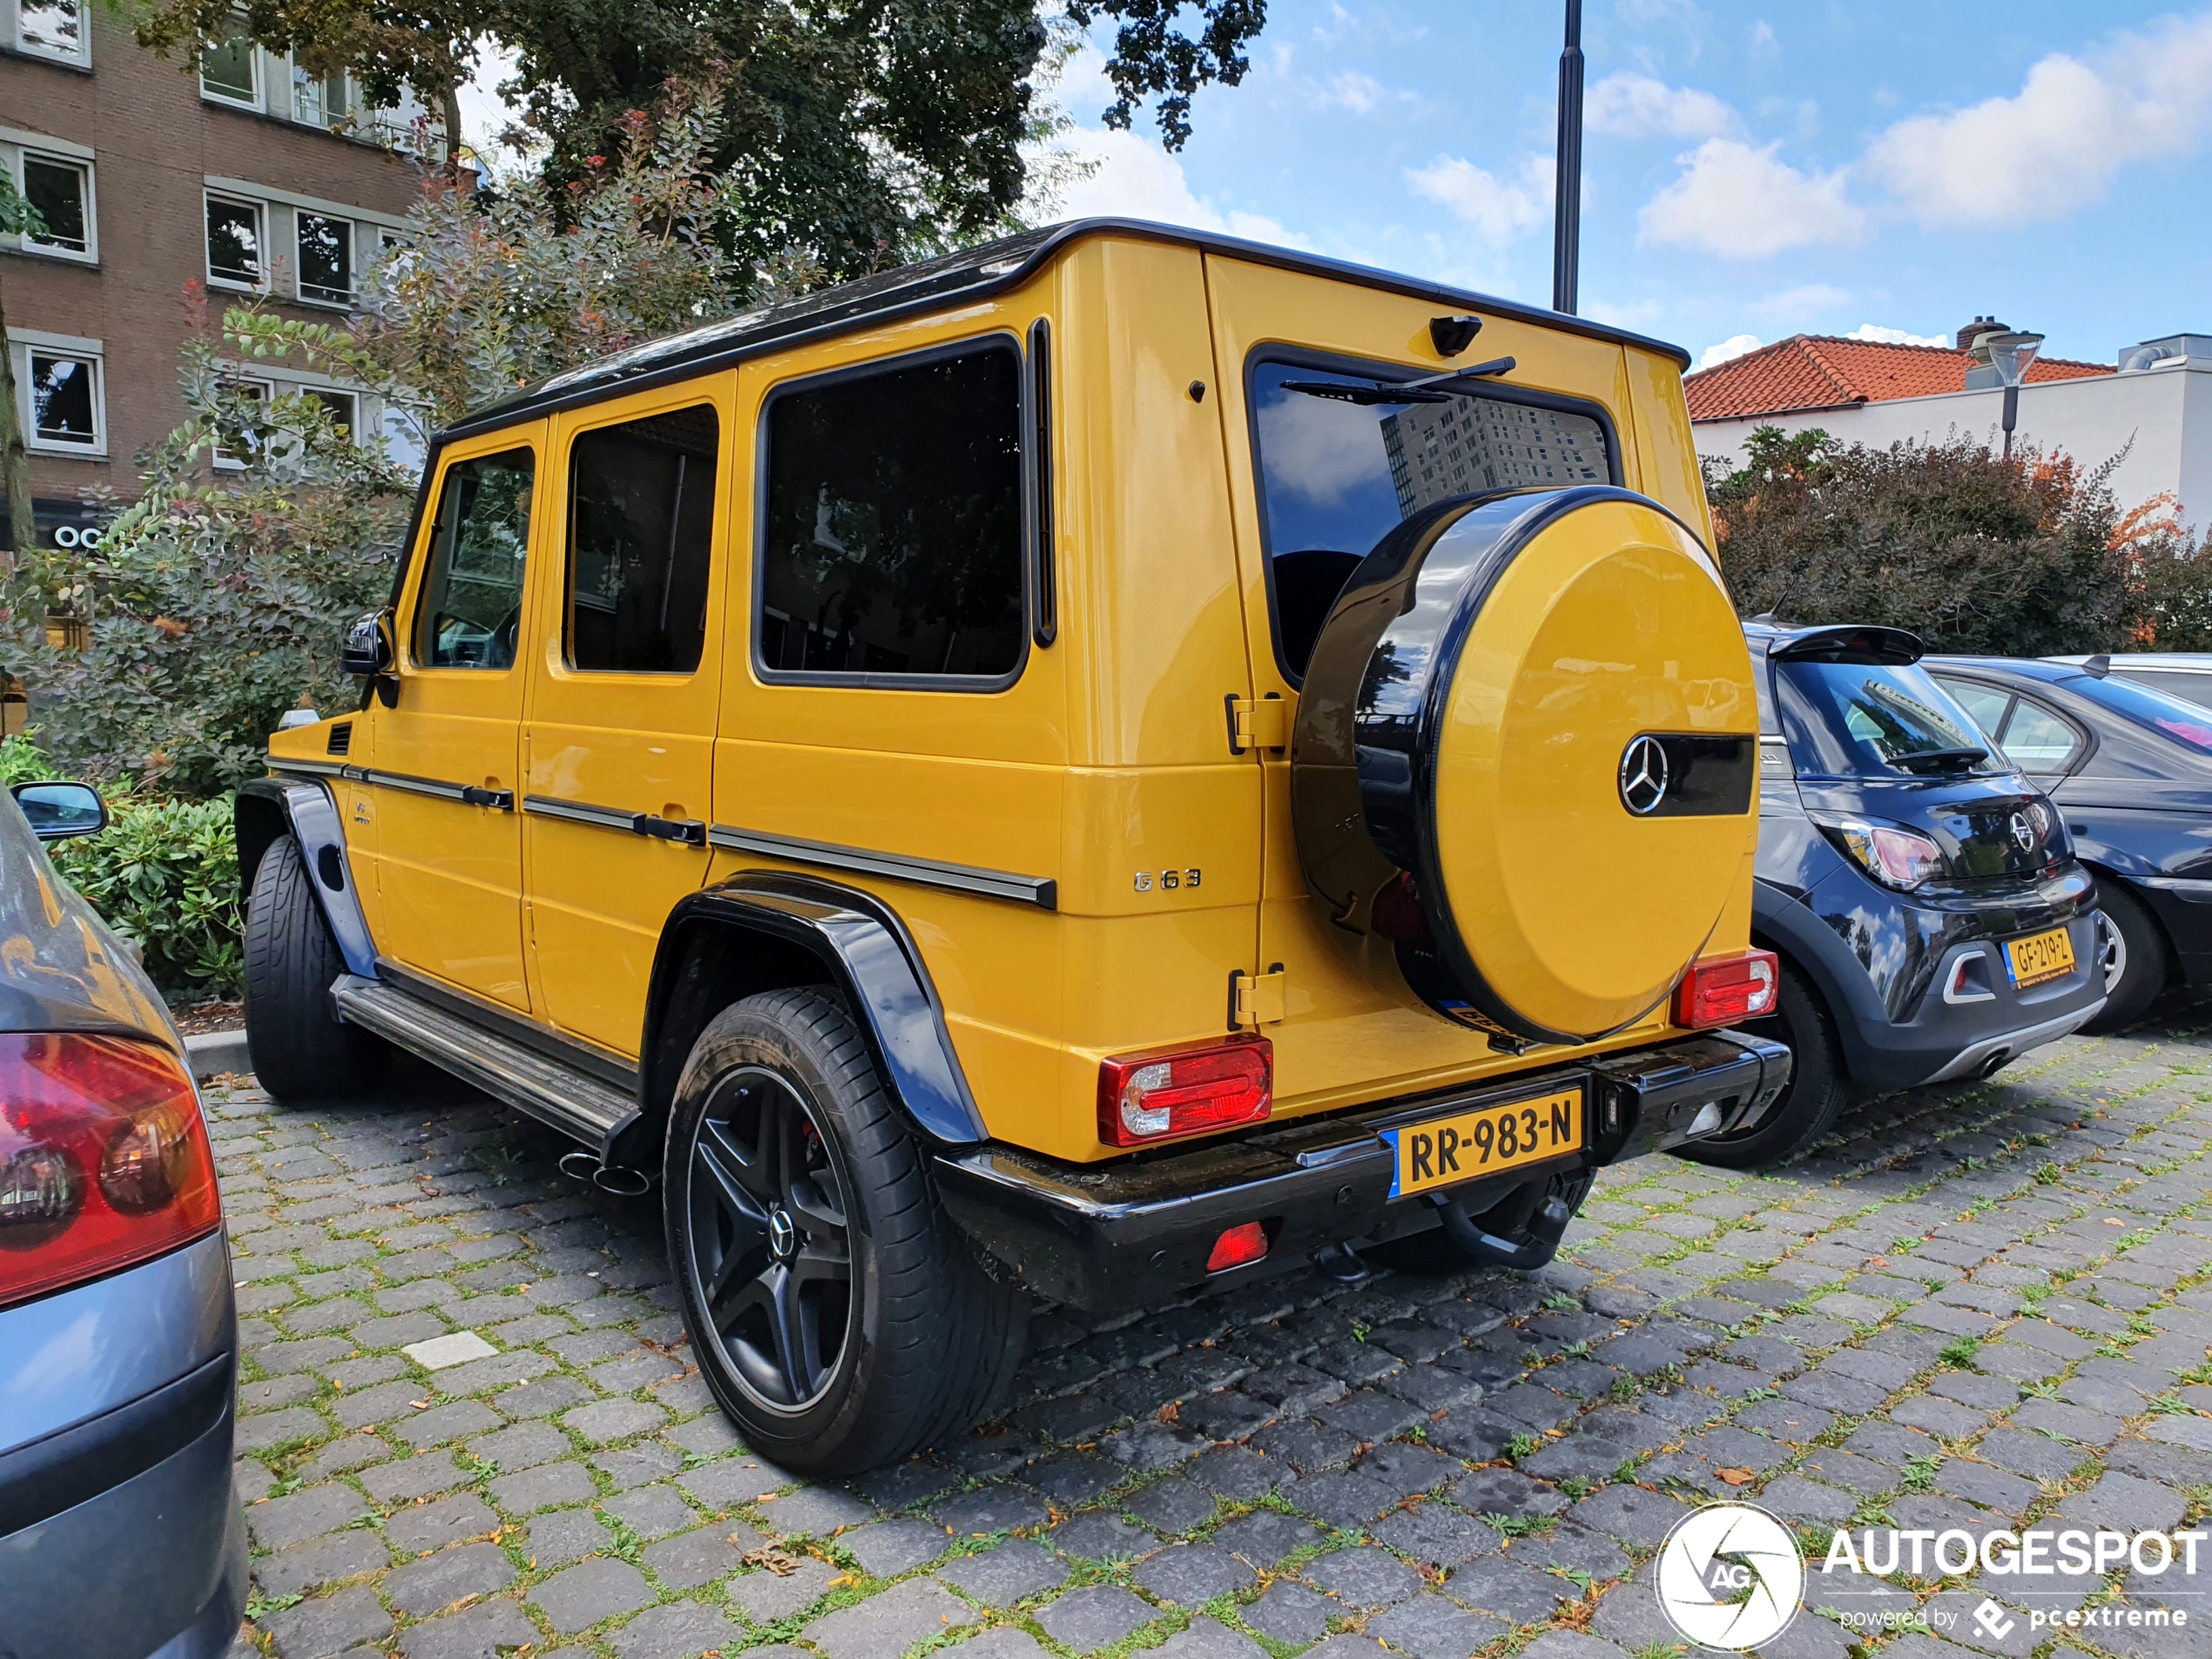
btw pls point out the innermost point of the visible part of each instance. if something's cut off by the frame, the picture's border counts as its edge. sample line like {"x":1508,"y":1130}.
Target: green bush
{"x":164,"y":874}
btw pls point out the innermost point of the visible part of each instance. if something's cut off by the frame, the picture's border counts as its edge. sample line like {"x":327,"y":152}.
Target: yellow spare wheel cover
{"x":1541,"y":784}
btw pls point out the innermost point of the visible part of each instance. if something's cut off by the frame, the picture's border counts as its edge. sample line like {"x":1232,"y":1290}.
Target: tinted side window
{"x":890,"y":534}
{"x":472,"y":593}
{"x":641,"y":515}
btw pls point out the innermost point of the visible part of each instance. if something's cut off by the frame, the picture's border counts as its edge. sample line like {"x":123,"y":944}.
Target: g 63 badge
{"x":1170,"y":879}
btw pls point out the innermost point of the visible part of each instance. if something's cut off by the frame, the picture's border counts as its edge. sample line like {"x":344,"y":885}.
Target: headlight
{"x":1897,"y":858}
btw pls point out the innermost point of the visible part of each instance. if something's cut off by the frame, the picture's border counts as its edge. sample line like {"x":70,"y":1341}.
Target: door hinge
{"x":1258,"y":723}
{"x":1256,"y":999}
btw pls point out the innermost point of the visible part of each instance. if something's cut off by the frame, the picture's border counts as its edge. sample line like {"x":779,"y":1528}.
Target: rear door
{"x":442,"y":758}
{"x":618,"y":736}
{"x":1316,"y":481}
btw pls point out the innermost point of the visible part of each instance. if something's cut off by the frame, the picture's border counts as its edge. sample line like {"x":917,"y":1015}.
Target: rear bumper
{"x":120,"y":1533}
{"x":1124,"y":1234}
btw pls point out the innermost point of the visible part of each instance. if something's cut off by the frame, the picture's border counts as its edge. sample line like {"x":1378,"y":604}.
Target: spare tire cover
{"x":1525,"y":756}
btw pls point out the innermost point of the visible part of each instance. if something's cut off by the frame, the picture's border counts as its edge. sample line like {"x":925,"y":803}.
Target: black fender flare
{"x":1786,"y":925}
{"x":265,"y":808}
{"x":859,"y":946}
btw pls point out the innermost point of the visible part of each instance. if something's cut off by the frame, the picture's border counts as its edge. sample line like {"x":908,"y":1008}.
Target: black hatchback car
{"x":1930,"y":917}
{"x":2130,"y":769}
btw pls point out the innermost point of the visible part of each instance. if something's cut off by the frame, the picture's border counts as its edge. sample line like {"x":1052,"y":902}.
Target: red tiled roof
{"x":1824,"y":372}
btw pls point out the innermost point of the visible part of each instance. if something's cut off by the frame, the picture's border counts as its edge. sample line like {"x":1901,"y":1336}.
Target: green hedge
{"x":164,"y":874}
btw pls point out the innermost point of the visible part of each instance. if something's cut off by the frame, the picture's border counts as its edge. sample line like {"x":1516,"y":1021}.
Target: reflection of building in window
{"x":1438,"y":451}
{"x":326,"y":257}
{"x":230,"y":69}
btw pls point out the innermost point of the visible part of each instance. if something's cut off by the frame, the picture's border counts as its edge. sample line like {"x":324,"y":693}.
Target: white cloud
{"x":1136,"y":179}
{"x":1795,"y":302}
{"x":1501,"y":209}
{"x":1742,"y":203}
{"x":1319,"y":449}
{"x":2057,"y":145}
{"x":1635,"y":106}
{"x":1734,"y":346}
{"x":1895,"y":336}
{"x":1763,"y":41}
{"x":1361,"y":94}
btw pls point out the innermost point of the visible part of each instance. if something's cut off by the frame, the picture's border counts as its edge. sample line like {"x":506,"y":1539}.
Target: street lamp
{"x":2010,"y":355}
{"x":1567,"y":173}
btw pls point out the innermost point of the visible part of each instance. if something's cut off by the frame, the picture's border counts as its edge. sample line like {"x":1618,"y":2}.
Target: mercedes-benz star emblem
{"x":781,"y":1234}
{"x":1643,"y":776}
{"x":2024,"y":832}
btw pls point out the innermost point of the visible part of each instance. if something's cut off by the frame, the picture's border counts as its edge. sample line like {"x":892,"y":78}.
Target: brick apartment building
{"x":239,"y":173}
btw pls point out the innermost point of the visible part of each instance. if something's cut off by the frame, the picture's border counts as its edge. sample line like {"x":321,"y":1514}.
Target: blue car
{"x":2130,"y":767}
{"x":120,"y":1536}
{"x":1930,"y":921}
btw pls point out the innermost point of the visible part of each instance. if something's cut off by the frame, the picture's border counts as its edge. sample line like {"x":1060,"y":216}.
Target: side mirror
{"x":370,"y":649}
{"x":56,"y":811}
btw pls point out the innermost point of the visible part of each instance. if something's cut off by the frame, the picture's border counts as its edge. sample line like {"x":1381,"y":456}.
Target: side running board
{"x":579,"y":1105}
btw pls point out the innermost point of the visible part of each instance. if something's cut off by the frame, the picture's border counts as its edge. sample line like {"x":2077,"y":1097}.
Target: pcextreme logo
{"x":1730,"y":1575}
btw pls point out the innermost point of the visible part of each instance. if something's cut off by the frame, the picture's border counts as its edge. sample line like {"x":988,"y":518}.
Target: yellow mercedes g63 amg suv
{"x":1099,"y":766}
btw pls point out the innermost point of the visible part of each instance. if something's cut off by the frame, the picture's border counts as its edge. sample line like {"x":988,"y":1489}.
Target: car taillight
{"x":1148,"y":1097}
{"x":1720,"y":990}
{"x":1238,"y":1246}
{"x":1896,"y":858}
{"x":104,"y":1160}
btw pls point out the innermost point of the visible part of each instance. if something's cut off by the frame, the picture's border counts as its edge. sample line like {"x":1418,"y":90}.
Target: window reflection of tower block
{"x":1469,"y":445}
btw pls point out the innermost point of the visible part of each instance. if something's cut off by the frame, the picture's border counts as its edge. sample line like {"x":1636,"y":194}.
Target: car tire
{"x":839,"y":1317}
{"x":2137,"y":961}
{"x":300,"y":1050}
{"x":1819,"y":1089}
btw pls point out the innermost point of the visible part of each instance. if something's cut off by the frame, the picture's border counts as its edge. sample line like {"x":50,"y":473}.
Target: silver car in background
{"x":120,"y":1536}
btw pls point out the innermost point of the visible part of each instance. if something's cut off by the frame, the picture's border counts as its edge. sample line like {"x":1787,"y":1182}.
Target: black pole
{"x":2011,"y":416}
{"x":1566,"y":226}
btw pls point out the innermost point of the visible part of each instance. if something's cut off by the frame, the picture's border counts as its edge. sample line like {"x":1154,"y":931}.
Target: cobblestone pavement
{"x":1979,"y":1306}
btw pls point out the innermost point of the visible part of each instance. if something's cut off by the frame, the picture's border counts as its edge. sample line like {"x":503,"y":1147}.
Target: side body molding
{"x":265,"y":808}
{"x":863,"y":949}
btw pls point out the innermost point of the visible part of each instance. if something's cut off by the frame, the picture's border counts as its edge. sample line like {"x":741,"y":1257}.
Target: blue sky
{"x":1751,"y":172}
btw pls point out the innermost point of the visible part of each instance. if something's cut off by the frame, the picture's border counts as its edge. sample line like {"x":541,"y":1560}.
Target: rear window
{"x":2188,"y":725}
{"x":1861,"y":719}
{"x":891,"y":532}
{"x":2174,"y":682}
{"x":1336,"y":476}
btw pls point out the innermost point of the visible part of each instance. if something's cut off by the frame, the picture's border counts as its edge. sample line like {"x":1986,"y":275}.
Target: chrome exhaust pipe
{"x":580,"y":1165}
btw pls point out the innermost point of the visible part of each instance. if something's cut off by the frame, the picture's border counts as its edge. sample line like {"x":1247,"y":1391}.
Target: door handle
{"x":691,"y":832}
{"x":503,"y":800}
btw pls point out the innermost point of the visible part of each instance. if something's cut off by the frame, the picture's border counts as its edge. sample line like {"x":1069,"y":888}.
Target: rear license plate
{"x":1468,"y":1145}
{"x":2040,"y":956}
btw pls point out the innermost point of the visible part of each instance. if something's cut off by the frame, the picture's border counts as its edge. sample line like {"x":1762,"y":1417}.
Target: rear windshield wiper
{"x":1939,"y":760}
{"x":1433,"y":389}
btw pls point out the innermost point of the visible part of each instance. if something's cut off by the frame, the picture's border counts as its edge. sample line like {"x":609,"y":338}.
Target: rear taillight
{"x":1240,"y":1246}
{"x":1720,"y":990}
{"x":104,"y":1160}
{"x":1148,"y":1097}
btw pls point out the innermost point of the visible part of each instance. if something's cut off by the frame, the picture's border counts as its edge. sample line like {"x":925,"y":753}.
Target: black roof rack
{"x":969,"y":274}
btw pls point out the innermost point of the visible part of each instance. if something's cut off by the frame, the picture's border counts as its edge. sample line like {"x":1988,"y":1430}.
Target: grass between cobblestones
{"x":1975,"y":1307}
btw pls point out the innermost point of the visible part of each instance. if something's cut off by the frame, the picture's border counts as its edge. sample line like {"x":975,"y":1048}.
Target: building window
{"x":62,"y":192}
{"x":63,"y":412}
{"x":319,"y":100}
{"x":55,"y":28}
{"x":234,"y":243}
{"x":253,"y":436}
{"x":231,"y":70}
{"x":326,"y":257}
{"x":343,"y":407}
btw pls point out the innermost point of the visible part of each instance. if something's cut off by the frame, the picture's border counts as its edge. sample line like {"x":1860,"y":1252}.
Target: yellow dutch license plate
{"x":1468,"y":1145}
{"x":2040,"y":956}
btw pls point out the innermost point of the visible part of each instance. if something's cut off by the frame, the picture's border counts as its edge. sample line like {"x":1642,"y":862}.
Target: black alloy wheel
{"x":1819,"y":1089}
{"x":839,"y":1317}
{"x":2132,"y":956}
{"x":770,"y":1261}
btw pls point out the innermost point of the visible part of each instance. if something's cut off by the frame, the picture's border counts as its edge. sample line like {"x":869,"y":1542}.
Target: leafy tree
{"x":855,"y":134}
{"x":1971,"y":551}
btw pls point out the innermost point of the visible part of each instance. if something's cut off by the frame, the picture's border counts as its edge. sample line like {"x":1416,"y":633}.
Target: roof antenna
{"x":2098,"y":666}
